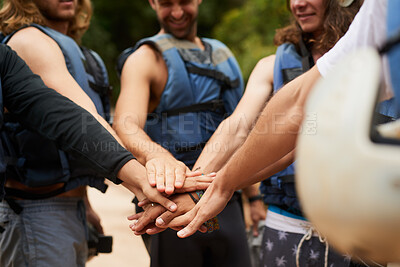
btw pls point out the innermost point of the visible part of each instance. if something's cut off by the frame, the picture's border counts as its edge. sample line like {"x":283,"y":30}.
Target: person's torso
{"x":34,"y":161}
{"x":201,"y":88}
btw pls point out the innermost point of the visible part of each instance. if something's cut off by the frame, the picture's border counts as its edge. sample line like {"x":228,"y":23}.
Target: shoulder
{"x":286,"y":48}
{"x":215,"y":42}
{"x":264,"y":69}
{"x":266,"y":61}
{"x":33,"y":41}
{"x":146,"y":63}
{"x":145,"y":54}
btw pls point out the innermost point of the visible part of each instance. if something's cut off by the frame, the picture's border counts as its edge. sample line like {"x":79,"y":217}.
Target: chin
{"x":309,"y":29}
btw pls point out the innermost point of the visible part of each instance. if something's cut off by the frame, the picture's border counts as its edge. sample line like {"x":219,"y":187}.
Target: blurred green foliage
{"x":249,"y":30}
{"x":246,"y":26}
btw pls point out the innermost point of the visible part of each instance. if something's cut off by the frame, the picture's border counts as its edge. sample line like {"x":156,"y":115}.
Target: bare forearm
{"x":274,"y":134}
{"x":228,"y":137}
{"x":269,"y":170}
{"x":140,"y":144}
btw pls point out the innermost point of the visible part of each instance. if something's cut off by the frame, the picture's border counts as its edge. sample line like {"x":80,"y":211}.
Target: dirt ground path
{"x":113,"y":208}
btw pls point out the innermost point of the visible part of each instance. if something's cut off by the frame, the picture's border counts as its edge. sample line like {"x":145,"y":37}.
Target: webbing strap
{"x":307,"y":60}
{"x":278,"y":181}
{"x":291,"y":74}
{"x":210,"y":105}
{"x":215,"y":74}
{"x":103,"y":91}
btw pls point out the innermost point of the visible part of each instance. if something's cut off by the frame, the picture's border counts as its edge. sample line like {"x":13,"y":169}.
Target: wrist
{"x":255,"y":198}
{"x":223,"y":184}
{"x":159,"y":153}
{"x":134,"y":174}
{"x":218,"y":188}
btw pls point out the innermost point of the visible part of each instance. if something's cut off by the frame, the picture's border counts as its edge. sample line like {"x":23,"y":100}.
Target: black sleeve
{"x":55,"y":117}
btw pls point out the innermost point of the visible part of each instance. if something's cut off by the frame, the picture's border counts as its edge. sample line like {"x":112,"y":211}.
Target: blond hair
{"x":18,"y":13}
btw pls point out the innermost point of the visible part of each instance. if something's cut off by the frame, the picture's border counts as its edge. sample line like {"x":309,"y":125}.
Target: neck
{"x":191,"y":38}
{"x":60,"y":26}
{"x":314,"y":52}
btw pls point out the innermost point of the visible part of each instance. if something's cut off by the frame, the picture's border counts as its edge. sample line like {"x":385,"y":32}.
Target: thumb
{"x":191,"y":228}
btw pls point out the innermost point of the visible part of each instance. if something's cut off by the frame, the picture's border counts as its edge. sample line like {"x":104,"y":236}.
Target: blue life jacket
{"x":36,"y":161}
{"x":393,"y":27}
{"x":279,"y":189}
{"x":203,"y":87}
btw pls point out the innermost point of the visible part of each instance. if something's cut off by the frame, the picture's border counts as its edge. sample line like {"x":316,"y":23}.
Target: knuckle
{"x":160,"y":175}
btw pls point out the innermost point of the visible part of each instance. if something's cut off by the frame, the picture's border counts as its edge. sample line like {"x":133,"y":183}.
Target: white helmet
{"x":349,"y":186}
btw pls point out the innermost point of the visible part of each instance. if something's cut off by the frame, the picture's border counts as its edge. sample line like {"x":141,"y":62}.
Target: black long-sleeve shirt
{"x":55,"y":117}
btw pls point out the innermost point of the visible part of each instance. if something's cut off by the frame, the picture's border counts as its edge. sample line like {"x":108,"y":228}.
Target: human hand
{"x":191,"y":184}
{"x":145,"y":220}
{"x":196,"y":183}
{"x":211,"y":204}
{"x":166,"y":173}
{"x":134,"y":176}
{"x":257,"y":213}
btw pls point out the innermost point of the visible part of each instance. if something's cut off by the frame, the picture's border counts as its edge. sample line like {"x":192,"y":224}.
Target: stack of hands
{"x":170,"y":192}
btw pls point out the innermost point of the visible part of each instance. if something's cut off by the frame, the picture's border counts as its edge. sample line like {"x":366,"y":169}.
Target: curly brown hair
{"x":337,"y":20}
{"x":18,"y":13}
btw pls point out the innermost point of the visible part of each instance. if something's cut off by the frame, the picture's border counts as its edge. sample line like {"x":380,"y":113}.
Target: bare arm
{"x":270,"y":170}
{"x":145,"y":69}
{"x":232,"y":132}
{"x":44,"y":57}
{"x":273,"y":137}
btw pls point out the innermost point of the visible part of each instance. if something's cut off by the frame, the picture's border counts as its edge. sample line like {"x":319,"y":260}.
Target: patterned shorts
{"x":285,"y":238}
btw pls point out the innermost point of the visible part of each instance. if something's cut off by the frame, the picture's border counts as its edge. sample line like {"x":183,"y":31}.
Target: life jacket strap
{"x":278,"y":181}
{"x":103,"y":91}
{"x":290,"y":74}
{"x":307,"y":60}
{"x":215,"y":74}
{"x":212,"y":105}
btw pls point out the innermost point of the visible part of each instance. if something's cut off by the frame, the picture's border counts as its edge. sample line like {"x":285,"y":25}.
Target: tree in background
{"x":249,"y":30}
